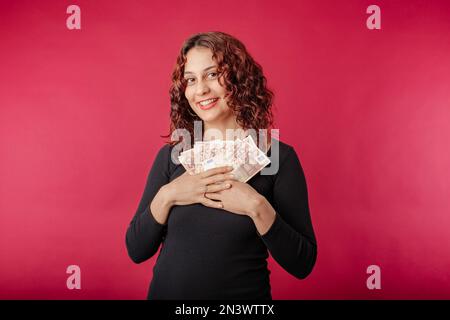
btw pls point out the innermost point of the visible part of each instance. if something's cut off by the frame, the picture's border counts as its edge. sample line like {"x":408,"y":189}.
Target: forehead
{"x":199,"y":58}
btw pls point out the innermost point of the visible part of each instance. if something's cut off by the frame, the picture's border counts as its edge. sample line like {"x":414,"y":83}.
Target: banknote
{"x":242,"y":154}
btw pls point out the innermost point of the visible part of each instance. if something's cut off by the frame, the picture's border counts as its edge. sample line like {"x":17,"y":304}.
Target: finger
{"x":217,"y":187}
{"x":215,"y":171}
{"x":213,"y":195}
{"x":218,"y":178}
{"x":211,"y":203}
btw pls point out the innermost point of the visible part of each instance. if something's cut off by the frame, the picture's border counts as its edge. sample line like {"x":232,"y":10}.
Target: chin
{"x":211,"y":115}
{"x":211,"y":118}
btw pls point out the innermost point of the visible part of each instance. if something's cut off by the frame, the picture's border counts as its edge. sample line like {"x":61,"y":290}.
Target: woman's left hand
{"x":240,"y":198}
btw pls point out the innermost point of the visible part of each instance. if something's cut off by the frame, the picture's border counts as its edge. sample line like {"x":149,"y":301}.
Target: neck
{"x":218,"y":130}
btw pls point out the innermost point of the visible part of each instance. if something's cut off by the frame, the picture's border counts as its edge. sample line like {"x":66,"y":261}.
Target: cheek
{"x":218,"y":90}
{"x":188,"y":94}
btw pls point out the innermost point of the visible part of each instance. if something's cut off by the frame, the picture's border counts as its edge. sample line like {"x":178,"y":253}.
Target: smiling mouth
{"x":207,"y":104}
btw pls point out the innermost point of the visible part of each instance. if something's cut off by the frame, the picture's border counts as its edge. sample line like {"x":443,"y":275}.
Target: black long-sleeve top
{"x":210,"y":253}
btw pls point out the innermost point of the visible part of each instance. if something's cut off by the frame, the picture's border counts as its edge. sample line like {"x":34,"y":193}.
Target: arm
{"x":286,"y":228}
{"x":147,"y":229}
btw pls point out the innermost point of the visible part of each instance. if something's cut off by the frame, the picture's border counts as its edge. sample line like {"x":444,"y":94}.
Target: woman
{"x":216,"y":232}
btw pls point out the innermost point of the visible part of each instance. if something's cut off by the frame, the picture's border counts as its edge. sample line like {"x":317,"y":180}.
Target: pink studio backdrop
{"x":367,"y":111}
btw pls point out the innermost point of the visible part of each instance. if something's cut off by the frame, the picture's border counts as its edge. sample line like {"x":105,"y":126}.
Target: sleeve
{"x":144,"y":233}
{"x":290,"y":239}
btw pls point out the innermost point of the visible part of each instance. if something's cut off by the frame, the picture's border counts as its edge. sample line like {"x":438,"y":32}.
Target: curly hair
{"x":246,"y":86}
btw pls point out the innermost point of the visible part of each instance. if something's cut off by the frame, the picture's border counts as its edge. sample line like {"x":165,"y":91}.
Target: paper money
{"x":243,"y":155}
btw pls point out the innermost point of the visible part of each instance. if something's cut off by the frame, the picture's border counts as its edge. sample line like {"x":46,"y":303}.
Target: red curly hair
{"x":247,"y":92}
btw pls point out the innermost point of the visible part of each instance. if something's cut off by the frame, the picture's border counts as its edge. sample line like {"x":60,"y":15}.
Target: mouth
{"x":207,"y":103}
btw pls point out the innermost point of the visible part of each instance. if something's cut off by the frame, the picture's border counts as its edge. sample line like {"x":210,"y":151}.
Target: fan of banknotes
{"x":242,"y":154}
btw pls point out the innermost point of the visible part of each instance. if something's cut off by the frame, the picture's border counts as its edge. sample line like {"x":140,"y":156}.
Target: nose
{"x":202,"y":88}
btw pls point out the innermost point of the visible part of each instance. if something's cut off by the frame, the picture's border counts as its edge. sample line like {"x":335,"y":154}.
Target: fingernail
{"x":231,"y":176}
{"x":228,"y":185}
{"x":220,"y":205}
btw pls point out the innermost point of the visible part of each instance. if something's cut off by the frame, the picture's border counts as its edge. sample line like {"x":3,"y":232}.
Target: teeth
{"x":206,"y":102}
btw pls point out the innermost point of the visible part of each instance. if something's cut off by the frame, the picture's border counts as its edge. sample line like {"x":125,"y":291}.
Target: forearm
{"x":145,"y":233}
{"x":146,"y":230}
{"x":294,"y":252}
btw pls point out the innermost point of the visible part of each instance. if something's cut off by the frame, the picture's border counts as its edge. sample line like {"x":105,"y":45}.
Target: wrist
{"x":263,"y":216}
{"x":167,"y":196}
{"x":257,"y":207}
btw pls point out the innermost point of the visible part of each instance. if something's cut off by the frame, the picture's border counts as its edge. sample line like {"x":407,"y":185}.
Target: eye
{"x":212,"y":74}
{"x":189,"y":80}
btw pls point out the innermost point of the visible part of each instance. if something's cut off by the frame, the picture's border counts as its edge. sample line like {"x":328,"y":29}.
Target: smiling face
{"x":205,"y":94}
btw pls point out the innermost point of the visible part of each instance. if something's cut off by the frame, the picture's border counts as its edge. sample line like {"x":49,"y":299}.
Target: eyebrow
{"x":189,"y":72}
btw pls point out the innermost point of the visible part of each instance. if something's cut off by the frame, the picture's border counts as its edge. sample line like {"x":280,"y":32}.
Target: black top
{"x":210,"y":253}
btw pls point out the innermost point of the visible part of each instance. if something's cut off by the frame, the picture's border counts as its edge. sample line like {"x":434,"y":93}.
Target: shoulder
{"x":167,"y":157}
{"x":165,"y":160}
{"x":281,"y":150}
{"x":163,"y":156}
{"x":286,"y":163}
{"x":164,"y":152}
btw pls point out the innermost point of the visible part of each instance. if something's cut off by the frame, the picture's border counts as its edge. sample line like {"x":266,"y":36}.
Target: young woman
{"x":216,"y":232}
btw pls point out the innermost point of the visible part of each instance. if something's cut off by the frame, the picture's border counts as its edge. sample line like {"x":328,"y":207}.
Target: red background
{"x":367,"y":111}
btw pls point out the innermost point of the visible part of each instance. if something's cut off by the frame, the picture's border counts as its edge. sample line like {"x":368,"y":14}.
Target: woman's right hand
{"x":189,"y":189}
